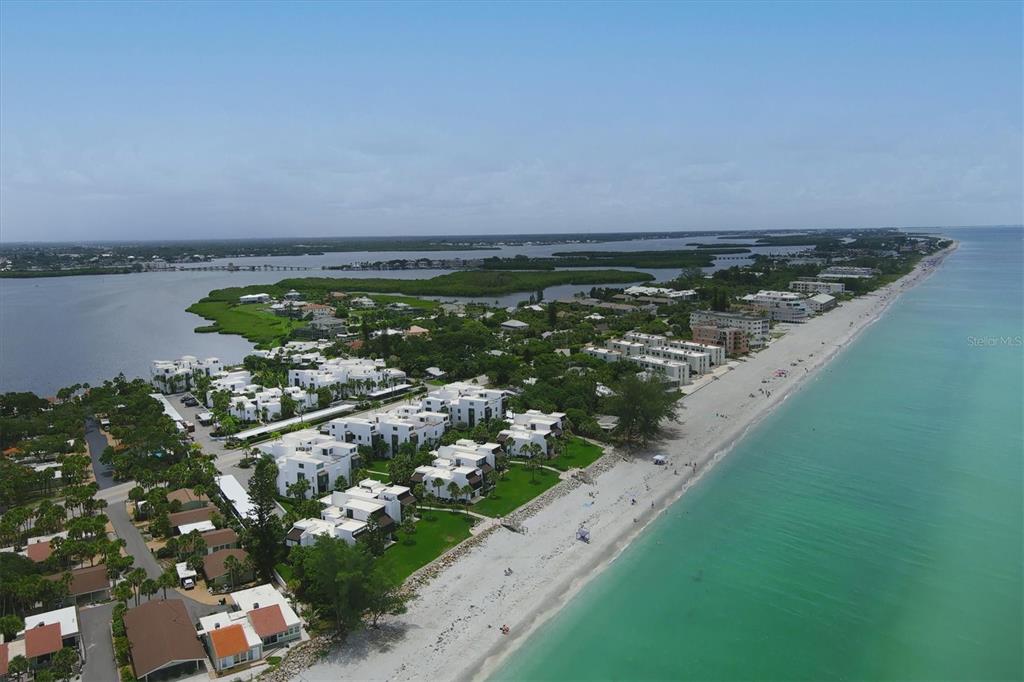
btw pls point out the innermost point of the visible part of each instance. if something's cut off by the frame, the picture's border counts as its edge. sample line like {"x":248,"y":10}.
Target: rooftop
{"x":161,"y":633}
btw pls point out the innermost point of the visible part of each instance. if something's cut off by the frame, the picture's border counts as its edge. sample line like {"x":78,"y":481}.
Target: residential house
{"x":215,"y":567}
{"x":514,"y":326}
{"x":89,"y":584}
{"x":162,"y":640}
{"x":188,"y":498}
{"x":254,"y":298}
{"x":47,"y":633}
{"x":270,"y":614}
{"x":181,"y":521}
{"x":222,"y":538}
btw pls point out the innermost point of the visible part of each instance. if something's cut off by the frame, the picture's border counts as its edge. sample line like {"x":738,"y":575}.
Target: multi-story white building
{"x":531,"y":428}
{"x":438,"y":476}
{"x":264,"y":404}
{"x":810,"y":286}
{"x":410,"y":425}
{"x":466,"y":452}
{"x":661,"y":292}
{"x":172,"y":376}
{"x":847,"y":272}
{"x":468,"y":404}
{"x":782,"y":306}
{"x":348,"y":375}
{"x":236,"y":381}
{"x":311,"y":456}
{"x":755,"y":327}
{"x":347,"y":515}
{"x":821,"y":303}
{"x":716,"y":354}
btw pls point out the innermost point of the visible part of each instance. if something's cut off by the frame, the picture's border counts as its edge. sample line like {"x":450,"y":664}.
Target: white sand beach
{"x":451,"y":631}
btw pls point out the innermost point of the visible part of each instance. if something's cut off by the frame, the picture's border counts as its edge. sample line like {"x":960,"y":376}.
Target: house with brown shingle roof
{"x":190,"y":516}
{"x":39,"y":551}
{"x":215,"y":567}
{"x":163,"y":640}
{"x":188,"y":498}
{"x":88,"y":584}
{"x":222,"y":538}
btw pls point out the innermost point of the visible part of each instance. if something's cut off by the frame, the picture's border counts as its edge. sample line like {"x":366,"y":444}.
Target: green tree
{"x":234,"y":569}
{"x":11,"y":625}
{"x":298,"y":489}
{"x":343,"y":584}
{"x":17,"y":667}
{"x":64,"y":662}
{"x":453,"y":491}
{"x":641,"y":406}
{"x":168,"y":580}
{"x":263,"y":538}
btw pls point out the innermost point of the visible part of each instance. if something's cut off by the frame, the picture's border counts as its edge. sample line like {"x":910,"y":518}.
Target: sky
{"x":180,"y":120}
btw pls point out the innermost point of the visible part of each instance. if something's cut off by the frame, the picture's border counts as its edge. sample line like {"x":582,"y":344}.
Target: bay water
{"x":869,"y":529}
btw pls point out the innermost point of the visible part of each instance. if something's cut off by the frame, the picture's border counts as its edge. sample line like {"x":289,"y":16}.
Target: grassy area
{"x":462,"y":283}
{"x":517,"y":488}
{"x":285,"y":571}
{"x":253,"y":322}
{"x":577,"y":453}
{"x":435,"y":534}
{"x":423,"y":303}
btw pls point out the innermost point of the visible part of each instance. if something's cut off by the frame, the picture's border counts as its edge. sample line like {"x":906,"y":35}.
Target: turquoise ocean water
{"x":870,"y":529}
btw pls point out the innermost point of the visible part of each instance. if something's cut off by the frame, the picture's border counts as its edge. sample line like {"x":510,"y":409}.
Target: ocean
{"x":869,"y":529}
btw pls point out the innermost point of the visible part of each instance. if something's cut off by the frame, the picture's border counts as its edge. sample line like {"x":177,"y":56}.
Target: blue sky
{"x":182,"y":120}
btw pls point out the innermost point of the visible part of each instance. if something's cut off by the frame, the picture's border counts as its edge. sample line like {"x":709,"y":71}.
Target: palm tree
{"x":135,"y":578}
{"x":234,"y":569}
{"x":149,"y":587}
{"x":467,"y":495}
{"x":17,"y":667}
{"x":438,"y":484}
{"x":453,"y":491}
{"x":64,"y":662}
{"x":168,"y":579}
{"x":123,"y":592}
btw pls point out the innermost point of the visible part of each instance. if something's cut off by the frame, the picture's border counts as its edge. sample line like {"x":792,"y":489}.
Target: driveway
{"x":97,"y":443}
{"x":94,"y":622}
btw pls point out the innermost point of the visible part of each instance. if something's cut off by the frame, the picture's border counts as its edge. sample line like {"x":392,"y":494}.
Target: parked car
{"x":188,"y":583}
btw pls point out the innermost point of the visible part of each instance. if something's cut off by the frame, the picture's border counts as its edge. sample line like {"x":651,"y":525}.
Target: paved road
{"x":97,"y":443}
{"x":100,"y":665}
{"x":136,"y":546}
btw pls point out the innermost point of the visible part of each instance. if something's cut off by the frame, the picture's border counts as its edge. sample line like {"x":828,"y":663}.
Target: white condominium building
{"x":468,"y":404}
{"x":438,"y":476}
{"x":807,"y":286}
{"x":755,"y":327}
{"x":264,"y":404}
{"x":531,"y":428}
{"x":172,"y":376}
{"x":782,"y":306}
{"x":311,"y":456}
{"x":359,"y":375}
{"x":347,"y":515}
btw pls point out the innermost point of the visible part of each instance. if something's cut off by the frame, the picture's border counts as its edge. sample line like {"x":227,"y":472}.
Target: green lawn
{"x":515,"y":490}
{"x":285,"y":571}
{"x":577,"y":453}
{"x":424,"y":303}
{"x":253,"y":322}
{"x":435,"y":534}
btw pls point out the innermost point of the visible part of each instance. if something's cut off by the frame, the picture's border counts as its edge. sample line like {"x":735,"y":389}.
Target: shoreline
{"x":451,"y":630}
